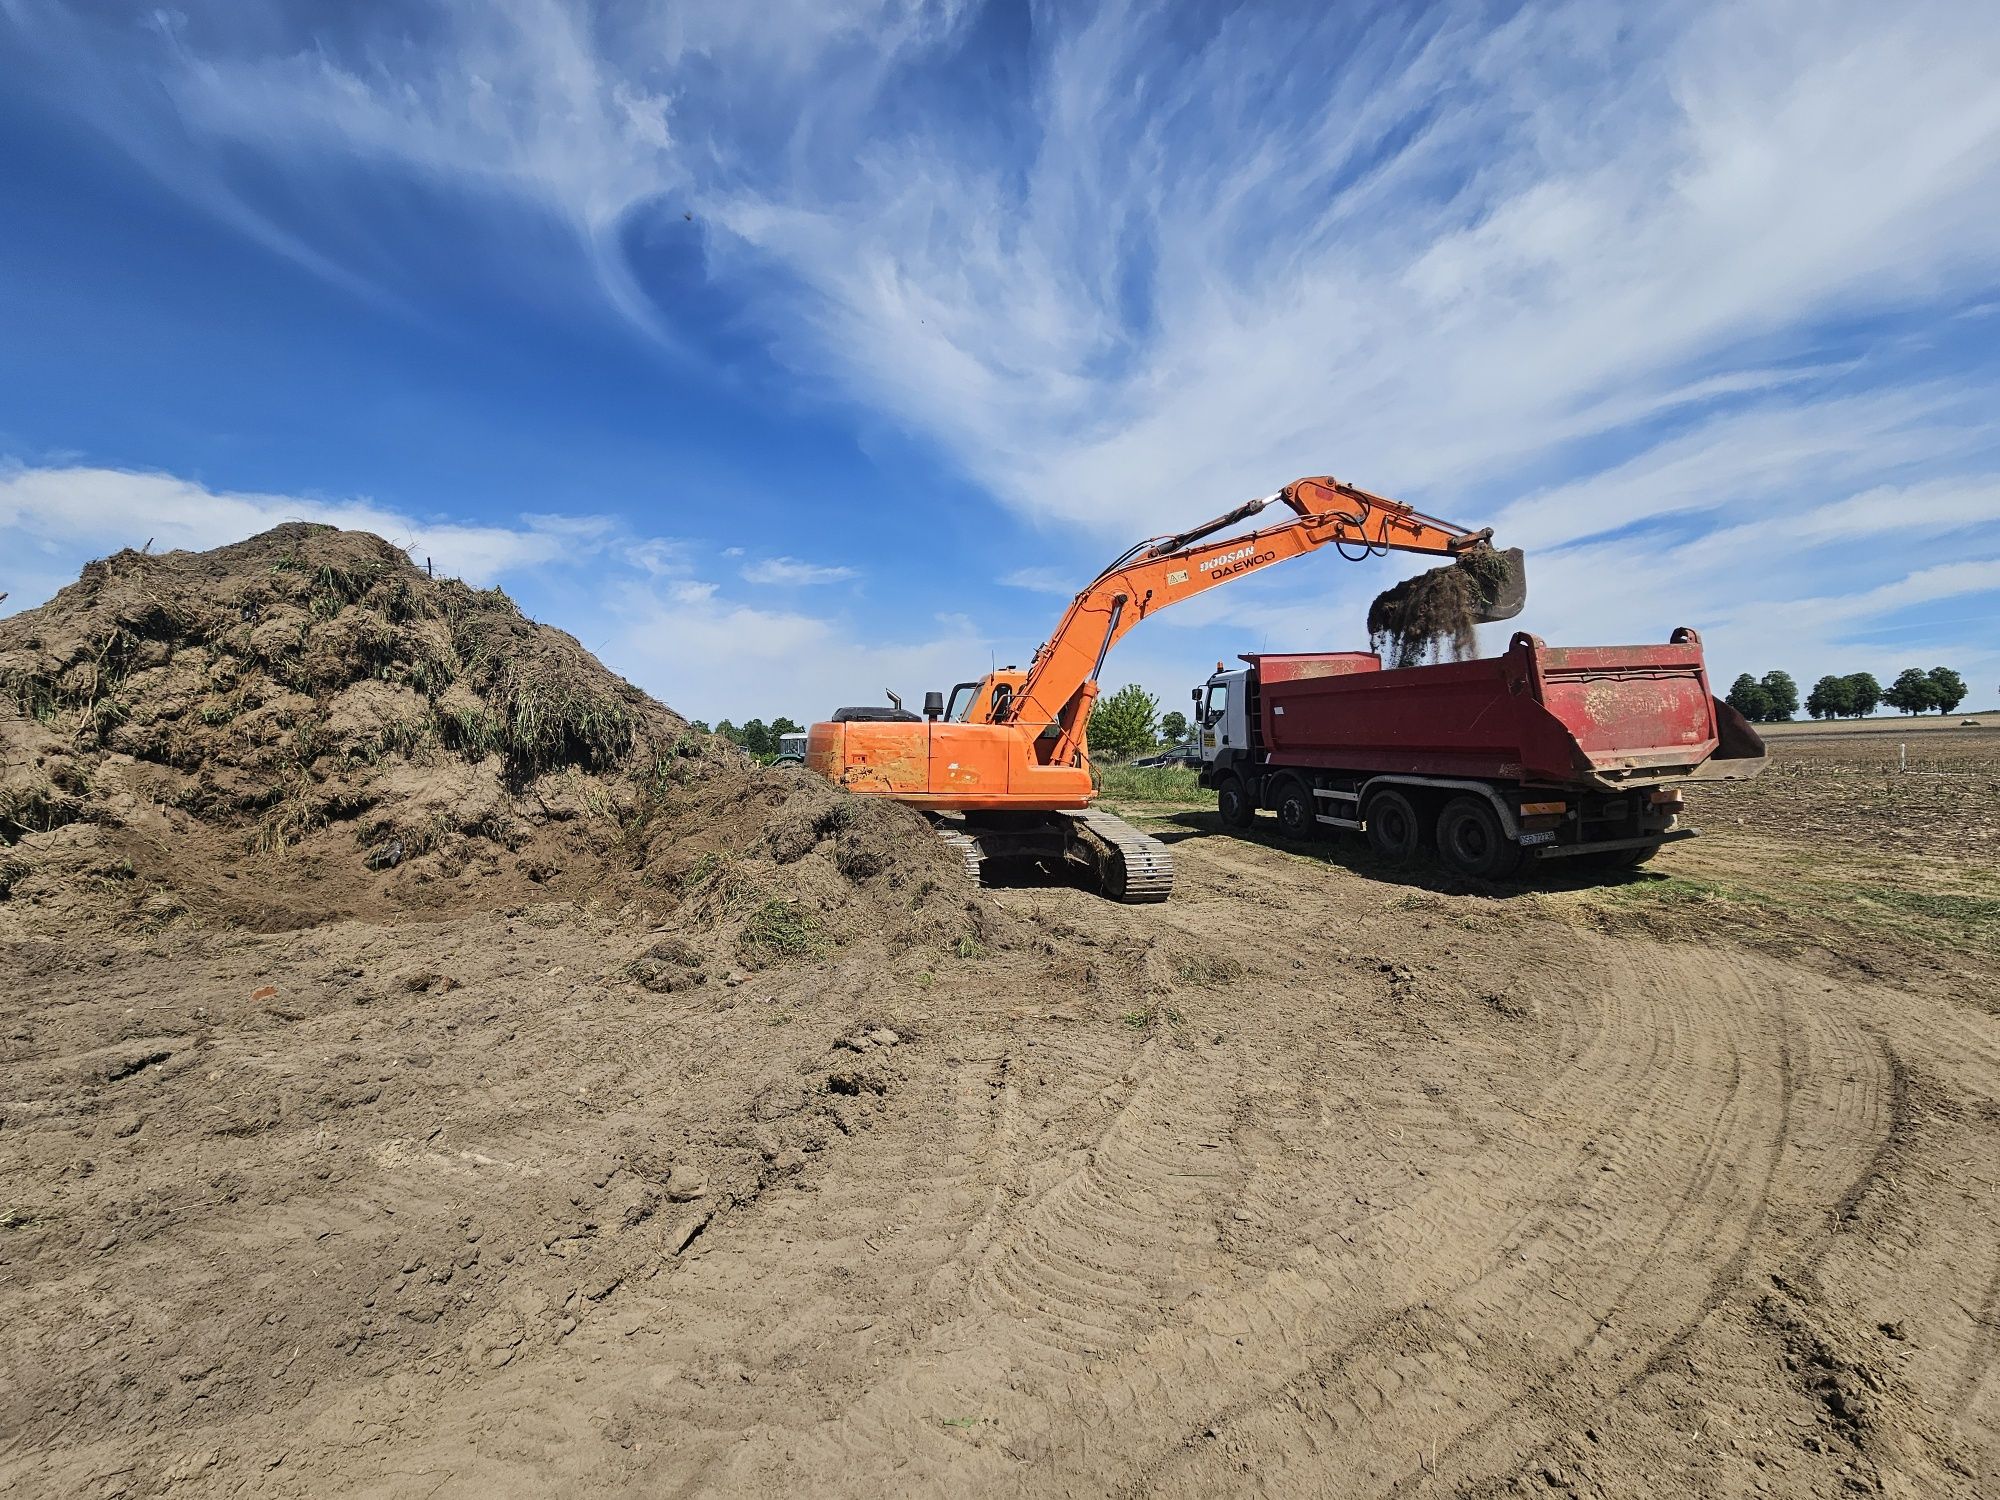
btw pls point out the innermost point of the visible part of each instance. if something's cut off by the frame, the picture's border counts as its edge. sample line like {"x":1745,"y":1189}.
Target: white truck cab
{"x":1221,"y":713}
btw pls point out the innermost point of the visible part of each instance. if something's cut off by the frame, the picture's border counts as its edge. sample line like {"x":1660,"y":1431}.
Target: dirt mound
{"x":1430,"y":617}
{"x":304,"y":725}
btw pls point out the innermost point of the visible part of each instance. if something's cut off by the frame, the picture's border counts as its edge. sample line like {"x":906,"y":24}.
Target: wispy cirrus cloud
{"x":789,"y":572}
{"x":1573,"y":272}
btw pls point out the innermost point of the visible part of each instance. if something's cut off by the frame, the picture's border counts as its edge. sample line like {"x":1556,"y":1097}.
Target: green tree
{"x":1783,"y":694}
{"x":1947,"y":689}
{"x":1174,"y":727}
{"x":1748,"y":698}
{"x":729,"y":731}
{"x":1830,"y":698}
{"x":782,"y":726}
{"x":1912,"y":692}
{"x":756,"y":737}
{"x":700,"y":726}
{"x":1122,"y":724}
{"x":1864,"y":694}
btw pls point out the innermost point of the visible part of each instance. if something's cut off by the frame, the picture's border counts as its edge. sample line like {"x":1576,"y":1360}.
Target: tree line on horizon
{"x":1129,"y":722}
{"x":1774,"y":698}
{"x":753,"y":735}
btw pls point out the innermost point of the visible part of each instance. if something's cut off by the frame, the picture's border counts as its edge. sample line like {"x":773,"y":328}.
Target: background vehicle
{"x":1187,"y":753}
{"x":1009,"y":757}
{"x":1541,"y":753}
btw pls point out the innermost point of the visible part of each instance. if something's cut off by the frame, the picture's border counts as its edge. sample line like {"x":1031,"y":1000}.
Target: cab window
{"x":962,"y":698}
{"x":1218,"y":705}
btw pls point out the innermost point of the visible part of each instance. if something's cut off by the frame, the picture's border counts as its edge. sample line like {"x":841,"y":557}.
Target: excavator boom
{"x":1163,"y":571}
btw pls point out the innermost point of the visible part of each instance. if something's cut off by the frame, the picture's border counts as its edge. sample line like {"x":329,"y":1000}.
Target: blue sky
{"x":788,"y":352}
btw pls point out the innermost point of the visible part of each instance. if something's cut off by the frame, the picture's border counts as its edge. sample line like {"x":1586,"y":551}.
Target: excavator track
{"x":1122,"y":863}
{"x":1133,"y":867}
{"x":966,"y":847}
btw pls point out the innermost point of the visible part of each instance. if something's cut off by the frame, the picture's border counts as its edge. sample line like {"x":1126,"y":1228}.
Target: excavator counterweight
{"x":1006,"y":772}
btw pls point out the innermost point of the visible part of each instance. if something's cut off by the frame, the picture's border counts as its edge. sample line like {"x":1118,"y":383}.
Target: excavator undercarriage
{"x":1089,"y":847}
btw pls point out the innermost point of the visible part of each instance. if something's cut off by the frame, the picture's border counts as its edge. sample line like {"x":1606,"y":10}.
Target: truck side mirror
{"x":933,"y":705}
{"x":1197,"y":696}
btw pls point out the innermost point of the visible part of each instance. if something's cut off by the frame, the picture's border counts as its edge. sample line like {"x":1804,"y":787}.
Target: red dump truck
{"x":1542,"y":753}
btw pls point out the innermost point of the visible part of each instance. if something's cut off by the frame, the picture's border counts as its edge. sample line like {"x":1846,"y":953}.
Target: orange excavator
{"x":1004,"y":769}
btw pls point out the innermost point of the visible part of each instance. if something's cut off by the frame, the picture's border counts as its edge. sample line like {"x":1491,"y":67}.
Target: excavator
{"x":1003,"y":770}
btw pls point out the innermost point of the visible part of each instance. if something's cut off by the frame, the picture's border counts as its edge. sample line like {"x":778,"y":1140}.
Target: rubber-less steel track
{"x":1135,"y":868}
{"x":1125,"y":864}
{"x":966,"y":847}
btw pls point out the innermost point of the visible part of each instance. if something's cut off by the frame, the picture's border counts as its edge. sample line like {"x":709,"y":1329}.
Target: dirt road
{"x":1307,"y":1182}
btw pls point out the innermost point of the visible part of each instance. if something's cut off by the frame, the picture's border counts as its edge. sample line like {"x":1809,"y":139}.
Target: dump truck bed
{"x":1604,"y":716}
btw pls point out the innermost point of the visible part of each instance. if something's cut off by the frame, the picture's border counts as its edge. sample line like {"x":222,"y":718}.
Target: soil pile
{"x":1430,"y":617}
{"x":304,"y":725}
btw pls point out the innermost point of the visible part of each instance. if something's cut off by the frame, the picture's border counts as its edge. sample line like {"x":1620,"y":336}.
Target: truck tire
{"x":1395,"y":832}
{"x":1298,"y":814}
{"x":1233,"y":804}
{"x":1471,"y":840}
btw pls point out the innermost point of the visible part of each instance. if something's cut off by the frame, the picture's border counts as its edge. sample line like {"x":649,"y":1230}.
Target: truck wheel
{"x":1395,"y":832}
{"x":1472,"y":842}
{"x":1232,"y":801}
{"x":1298,"y":816}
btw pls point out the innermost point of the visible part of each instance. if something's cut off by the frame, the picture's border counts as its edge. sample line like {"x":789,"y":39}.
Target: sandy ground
{"x":1314,"y":1181}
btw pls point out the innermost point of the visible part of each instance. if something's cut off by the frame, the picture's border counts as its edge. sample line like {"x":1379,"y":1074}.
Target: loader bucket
{"x":1500,"y":581}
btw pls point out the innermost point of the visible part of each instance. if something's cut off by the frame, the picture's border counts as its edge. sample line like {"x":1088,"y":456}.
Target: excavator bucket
{"x":1501,"y":583}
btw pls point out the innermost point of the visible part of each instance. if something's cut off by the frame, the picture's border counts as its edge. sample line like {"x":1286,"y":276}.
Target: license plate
{"x":1548,"y":836}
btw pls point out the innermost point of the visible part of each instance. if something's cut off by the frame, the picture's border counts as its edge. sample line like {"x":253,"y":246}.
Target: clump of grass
{"x":1149,"y":1015}
{"x":969,"y":948}
{"x":778,"y":931}
{"x":1940,"y":906}
{"x":1207,"y":970}
{"x":1672,"y":890}
{"x":702,"y":871}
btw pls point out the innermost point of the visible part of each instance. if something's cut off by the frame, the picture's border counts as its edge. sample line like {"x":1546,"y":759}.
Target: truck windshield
{"x":962,"y":698}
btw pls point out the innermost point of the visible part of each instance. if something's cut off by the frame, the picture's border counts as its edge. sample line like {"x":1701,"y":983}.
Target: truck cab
{"x":1221,"y":715}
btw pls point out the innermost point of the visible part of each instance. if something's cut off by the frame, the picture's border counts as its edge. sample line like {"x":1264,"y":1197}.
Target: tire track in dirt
{"x":1088,"y":1249}
{"x":1413,"y":1328}
{"x":1624,"y":1060}
{"x":1376,"y":1404}
{"x":1341,"y":1228}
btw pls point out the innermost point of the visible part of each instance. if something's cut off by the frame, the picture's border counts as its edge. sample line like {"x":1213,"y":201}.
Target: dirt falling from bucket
{"x":1430,"y":617}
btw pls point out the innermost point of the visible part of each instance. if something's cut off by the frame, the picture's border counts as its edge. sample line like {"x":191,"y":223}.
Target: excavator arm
{"x":1055,"y":698}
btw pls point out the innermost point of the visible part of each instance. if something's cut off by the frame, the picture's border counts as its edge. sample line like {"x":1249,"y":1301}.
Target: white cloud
{"x":1174,"y":277}
{"x":1589,"y":276}
{"x":78,"y":512}
{"x":638,"y":602}
{"x":789,"y":572}
{"x":1043,"y":581}
{"x":715,"y":657}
